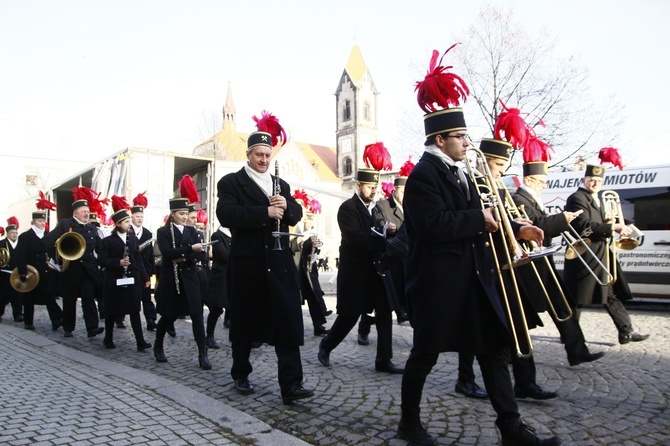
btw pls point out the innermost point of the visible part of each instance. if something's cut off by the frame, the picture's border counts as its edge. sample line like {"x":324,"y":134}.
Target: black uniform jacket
{"x":358,"y":284}
{"x":217,"y":295}
{"x":591,"y":224}
{"x":121,"y":299}
{"x":451,"y":282}
{"x":309,"y":273}
{"x":188,"y":300}
{"x":69,"y":281}
{"x":148,"y":252}
{"x":30,"y":251}
{"x":553,"y":226}
{"x":6,"y":290}
{"x":263,"y":282}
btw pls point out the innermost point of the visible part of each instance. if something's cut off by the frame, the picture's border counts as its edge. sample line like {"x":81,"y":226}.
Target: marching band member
{"x":7,"y":293}
{"x":218,"y":299}
{"x":124,"y":275}
{"x":144,"y":236}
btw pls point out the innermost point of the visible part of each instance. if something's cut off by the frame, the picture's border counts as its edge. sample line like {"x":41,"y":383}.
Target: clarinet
{"x":126,"y":254}
{"x":277,"y":191}
{"x":174,"y":265}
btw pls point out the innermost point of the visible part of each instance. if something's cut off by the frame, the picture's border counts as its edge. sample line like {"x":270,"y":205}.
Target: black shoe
{"x":143,"y":345}
{"x":328,"y":313}
{"x":320,"y":330}
{"x":471,"y":390}
{"x":108,"y":343}
{"x":55,"y":325}
{"x":19,"y":318}
{"x":586,"y":358}
{"x":120,"y":325}
{"x":93,"y":332}
{"x":535,"y":392}
{"x":520,"y":434}
{"x":67,"y":334}
{"x":203,"y":361}
{"x":29,"y":327}
{"x":389,"y":367}
{"x":211,"y":343}
{"x":402,"y":318}
{"x":296,"y":392}
{"x":625,"y":338}
{"x":256,"y":344}
{"x":324,"y":356}
{"x":363,"y":339}
{"x":171,"y":331}
{"x":159,"y":354}
{"x":243,"y":386}
{"x":151,"y":325}
{"x":415,"y":434}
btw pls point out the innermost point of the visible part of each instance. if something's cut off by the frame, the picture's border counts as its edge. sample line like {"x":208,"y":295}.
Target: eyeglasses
{"x":462,"y":137}
{"x":540,"y":182}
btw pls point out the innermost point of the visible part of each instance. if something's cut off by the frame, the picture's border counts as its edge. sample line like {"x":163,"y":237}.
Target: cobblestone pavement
{"x":621,"y":399}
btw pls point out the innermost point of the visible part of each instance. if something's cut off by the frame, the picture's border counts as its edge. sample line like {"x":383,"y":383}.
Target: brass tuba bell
{"x":69,"y":247}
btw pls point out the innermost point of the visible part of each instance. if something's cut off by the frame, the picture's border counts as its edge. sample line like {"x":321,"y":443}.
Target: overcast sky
{"x":85,"y":79}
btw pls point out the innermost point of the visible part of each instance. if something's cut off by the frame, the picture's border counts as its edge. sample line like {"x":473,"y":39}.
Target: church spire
{"x":229,"y":111}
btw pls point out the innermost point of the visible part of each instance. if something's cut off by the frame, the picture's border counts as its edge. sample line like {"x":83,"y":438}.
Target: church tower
{"x":356,"y":102}
{"x":229,"y":112}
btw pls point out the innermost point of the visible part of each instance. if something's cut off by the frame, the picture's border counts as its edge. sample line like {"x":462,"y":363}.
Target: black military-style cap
{"x":39,"y":215}
{"x":178,"y":204}
{"x":120,"y":215}
{"x":259,"y":139}
{"x":367,"y":176}
{"x":535,"y":168}
{"x":495,"y":148}
{"x":399,"y":181}
{"x":444,"y":121}
{"x":594,"y":171}
{"x":79,"y":203}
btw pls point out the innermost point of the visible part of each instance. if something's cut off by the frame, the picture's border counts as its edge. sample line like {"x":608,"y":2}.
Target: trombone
{"x":489,"y":196}
{"x":578,"y":247}
{"x":614,"y":214}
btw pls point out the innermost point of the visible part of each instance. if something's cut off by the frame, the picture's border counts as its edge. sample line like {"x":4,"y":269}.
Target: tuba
{"x":4,"y":257}
{"x":512,"y":254}
{"x":70,"y":246}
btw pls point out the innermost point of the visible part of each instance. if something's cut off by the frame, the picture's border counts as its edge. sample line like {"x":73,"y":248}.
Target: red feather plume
{"x":95,"y":204}
{"x":513,"y":128}
{"x":202,"y":217}
{"x":141,"y":200}
{"x":610,"y":155}
{"x":13,"y":221}
{"x":188,"y":190}
{"x":536,"y":150}
{"x":269,"y":123}
{"x":440,"y":89}
{"x":387,"y":188}
{"x":44,"y":204}
{"x":314,"y":206}
{"x":2,"y":231}
{"x":406,"y":168}
{"x":119,"y":203}
{"x":300,"y":194}
{"x":377,"y":157}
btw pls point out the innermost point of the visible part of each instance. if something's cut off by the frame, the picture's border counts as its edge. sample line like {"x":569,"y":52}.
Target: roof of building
{"x":356,"y":65}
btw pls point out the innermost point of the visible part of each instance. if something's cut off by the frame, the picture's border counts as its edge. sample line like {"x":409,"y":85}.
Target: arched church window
{"x":347,"y":167}
{"x":347,"y":110}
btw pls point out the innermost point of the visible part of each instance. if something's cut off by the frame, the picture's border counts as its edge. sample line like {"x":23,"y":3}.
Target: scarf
{"x":264,"y":180}
{"x":39,"y":232}
{"x":446,"y":159}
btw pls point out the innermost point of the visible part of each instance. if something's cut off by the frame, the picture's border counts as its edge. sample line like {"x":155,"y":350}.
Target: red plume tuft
{"x":377,"y":157}
{"x":13,"y":221}
{"x":300,"y":194}
{"x":2,"y":231}
{"x":536,"y":150}
{"x":406,"y":168}
{"x":387,"y":188}
{"x":202,"y":217}
{"x":610,"y":155}
{"x":440,"y":89}
{"x":269,"y":123}
{"x":119,"y":203}
{"x":314,"y":206}
{"x":141,"y":200}
{"x":188,"y":190}
{"x":511,"y":127}
{"x":44,"y":204}
{"x":165,"y":218}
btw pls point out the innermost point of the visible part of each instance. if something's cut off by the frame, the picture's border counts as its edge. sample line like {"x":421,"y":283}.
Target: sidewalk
{"x":57,"y":390}
{"x":51,"y":394}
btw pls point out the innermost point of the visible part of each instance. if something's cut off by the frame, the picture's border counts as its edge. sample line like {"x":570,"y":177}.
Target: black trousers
{"x":617,"y":312}
{"x":54,"y":310}
{"x":316,"y":310}
{"x":148,"y":306}
{"x":10,"y":296}
{"x":344,"y":324}
{"x":524,"y":370}
{"x":496,"y":376}
{"x":88,"y":306}
{"x":572,"y":336}
{"x":135,"y":323}
{"x":212,"y":318}
{"x":289,"y":364}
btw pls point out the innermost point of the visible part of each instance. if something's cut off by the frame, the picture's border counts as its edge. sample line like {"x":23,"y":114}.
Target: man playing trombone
{"x":586,"y":287}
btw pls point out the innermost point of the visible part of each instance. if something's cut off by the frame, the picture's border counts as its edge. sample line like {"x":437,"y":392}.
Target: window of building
{"x":347,"y":169}
{"x":347,"y":110}
{"x":366,"y":110}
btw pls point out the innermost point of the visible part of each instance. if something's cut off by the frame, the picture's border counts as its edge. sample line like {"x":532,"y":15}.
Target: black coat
{"x":591,"y":224}
{"x":553,"y":226}
{"x":309,"y":272}
{"x":390,"y":211}
{"x":69,"y":281}
{"x":147,"y":253}
{"x":217,"y":295}
{"x":358,"y":284}
{"x":263,"y":283}
{"x":188,"y":301}
{"x":119,"y":300}
{"x":7,"y":292}
{"x":30,"y":251}
{"x":451,"y":292}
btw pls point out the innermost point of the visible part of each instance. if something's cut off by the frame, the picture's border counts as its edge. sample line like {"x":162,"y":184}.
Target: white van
{"x":645,"y":201}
